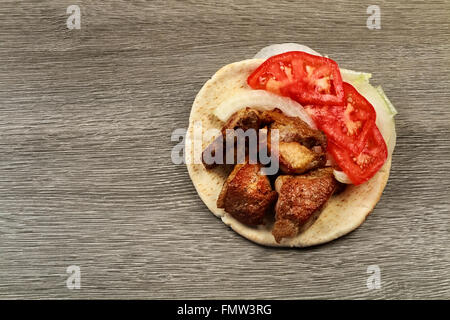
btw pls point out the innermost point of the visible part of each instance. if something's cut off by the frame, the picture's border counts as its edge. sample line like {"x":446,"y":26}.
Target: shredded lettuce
{"x":355,"y":76}
{"x":389,"y":104}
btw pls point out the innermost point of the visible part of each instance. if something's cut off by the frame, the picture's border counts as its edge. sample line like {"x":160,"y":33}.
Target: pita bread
{"x":342,"y":214}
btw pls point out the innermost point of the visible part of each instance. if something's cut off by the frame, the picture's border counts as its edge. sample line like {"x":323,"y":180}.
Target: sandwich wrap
{"x":342,"y":214}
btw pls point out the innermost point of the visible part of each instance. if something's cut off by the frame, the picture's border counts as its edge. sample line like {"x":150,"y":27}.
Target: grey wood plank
{"x":85,"y":172}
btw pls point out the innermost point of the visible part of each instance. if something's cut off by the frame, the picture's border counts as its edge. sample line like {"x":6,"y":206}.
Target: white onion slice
{"x":342,"y":177}
{"x":275,"y":49}
{"x":262,"y":100}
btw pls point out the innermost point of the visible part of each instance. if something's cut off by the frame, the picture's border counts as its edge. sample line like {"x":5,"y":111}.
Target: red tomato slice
{"x":306,"y":78}
{"x":362,"y":166}
{"x":347,"y":126}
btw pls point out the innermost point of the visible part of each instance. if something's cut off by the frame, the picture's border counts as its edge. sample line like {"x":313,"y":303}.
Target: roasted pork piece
{"x":296,"y":159}
{"x":299,"y":197}
{"x":295,"y":136}
{"x":292,"y":129}
{"x":244,"y":119}
{"x":247,"y":195}
{"x":296,"y":139}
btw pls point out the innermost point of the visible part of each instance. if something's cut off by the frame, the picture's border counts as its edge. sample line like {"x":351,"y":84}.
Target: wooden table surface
{"x":86,"y":176}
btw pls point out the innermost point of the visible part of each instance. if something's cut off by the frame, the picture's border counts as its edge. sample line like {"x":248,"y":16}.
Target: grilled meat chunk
{"x":296,"y":159}
{"x":299,"y":197}
{"x":296,"y":140}
{"x":247,"y":195}
{"x":244,"y":119}
{"x":292,"y":129}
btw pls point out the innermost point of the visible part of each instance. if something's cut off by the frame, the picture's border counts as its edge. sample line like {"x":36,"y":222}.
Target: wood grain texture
{"x":85,"y":172}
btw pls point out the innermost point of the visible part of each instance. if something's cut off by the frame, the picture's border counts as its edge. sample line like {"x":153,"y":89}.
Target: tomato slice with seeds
{"x":348,"y":125}
{"x":344,"y":115}
{"x":362,"y":166}
{"x":306,"y":78}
